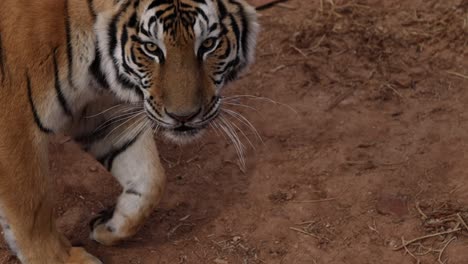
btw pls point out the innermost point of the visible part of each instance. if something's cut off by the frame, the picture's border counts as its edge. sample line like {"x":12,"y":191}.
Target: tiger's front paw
{"x":101,"y":231}
{"x":102,"y":218}
{"x":79,"y":256}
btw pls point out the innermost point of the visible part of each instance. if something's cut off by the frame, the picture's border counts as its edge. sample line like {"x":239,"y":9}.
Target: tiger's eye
{"x":208,"y":43}
{"x":151,"y":48}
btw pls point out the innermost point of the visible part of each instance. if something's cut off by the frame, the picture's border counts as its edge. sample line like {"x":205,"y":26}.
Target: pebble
{"x":392,"y":205}
{"x":220,"y":261}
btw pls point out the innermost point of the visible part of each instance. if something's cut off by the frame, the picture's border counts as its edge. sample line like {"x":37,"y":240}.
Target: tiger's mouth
{"x":186,"y":131}
{"x":183,"y":132}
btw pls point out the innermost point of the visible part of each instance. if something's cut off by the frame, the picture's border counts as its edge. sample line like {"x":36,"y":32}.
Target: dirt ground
{"x":373,"y":153}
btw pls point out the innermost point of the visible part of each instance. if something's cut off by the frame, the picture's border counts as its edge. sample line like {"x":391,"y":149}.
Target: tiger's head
{"x":175,"y":56}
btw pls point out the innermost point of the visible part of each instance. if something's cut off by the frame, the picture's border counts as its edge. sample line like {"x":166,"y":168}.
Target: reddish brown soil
{"x":380,"y":90}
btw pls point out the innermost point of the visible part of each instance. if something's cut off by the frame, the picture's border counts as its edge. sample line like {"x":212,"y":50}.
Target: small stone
{"x":93,"y":169}
{"x":220,"y":261}
{"x":393,"y":243}
{"x":402,"y":81}
{"x":392,"y":205}
{"x":289,"y":196}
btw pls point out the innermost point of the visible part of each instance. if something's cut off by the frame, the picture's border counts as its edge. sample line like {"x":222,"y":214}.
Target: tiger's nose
{"x":184,"y":117}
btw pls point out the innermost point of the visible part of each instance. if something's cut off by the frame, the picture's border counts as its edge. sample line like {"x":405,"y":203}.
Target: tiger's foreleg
{"x":26,"y":202}
{"x":139,"y":172}
{"x":134,"y":161}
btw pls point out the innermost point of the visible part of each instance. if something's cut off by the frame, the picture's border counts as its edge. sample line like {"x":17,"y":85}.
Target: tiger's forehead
{"x":179,"y":21}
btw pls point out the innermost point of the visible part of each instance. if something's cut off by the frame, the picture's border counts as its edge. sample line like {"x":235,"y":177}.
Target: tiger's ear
{"x":248,"y":38}
{"x":252,"y":31}
{"x":122,"y":2}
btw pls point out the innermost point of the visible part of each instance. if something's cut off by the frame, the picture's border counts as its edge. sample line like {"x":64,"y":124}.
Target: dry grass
{"x":444,"y":224}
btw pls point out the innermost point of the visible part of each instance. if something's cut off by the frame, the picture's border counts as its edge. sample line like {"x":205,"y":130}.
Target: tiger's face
{"x":175,"y":56}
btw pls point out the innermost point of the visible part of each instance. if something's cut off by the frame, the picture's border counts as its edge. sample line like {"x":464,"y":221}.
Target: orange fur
{"x":56,"y":69}
{"x":28,"y":42}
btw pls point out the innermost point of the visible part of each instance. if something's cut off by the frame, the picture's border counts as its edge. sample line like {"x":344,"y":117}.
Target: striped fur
{"x":107,"y":72}
{"x":2,"y":61}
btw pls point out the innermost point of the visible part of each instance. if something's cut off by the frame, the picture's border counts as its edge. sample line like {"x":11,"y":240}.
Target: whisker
{"x":129,"y":132}
{"x":260,"y":98}
{"x":243,"y":120}
{"x":214,"y":128}
{"x":141,"y":128}
{"x":125,"y":106}
{"x":142,"y":124}
{"x":241,"y":105}
{"x":242,"y":132}
{"x":217,"y":127}
{"x":123,"y":123}
{"x":233,"y":133}
{"x":116,"y":119}
{"x":239,"y":146}
{"x":155,"y":127}
{"x":229,"y":135}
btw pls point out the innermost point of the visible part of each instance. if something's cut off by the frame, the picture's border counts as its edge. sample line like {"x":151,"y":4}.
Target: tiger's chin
{"x":183,"y":135}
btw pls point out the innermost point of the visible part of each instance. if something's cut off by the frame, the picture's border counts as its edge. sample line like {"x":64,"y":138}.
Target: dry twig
{"x":407,"y":243}
{"x":304,"y":232}
{"x":315,"y":201}
{"x":458,"y":74}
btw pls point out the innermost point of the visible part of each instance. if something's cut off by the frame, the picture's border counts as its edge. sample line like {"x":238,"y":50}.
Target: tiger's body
{"x":68,"y":65}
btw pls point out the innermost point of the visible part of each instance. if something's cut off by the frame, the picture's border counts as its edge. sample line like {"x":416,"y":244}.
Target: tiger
{"x":111,"y":74}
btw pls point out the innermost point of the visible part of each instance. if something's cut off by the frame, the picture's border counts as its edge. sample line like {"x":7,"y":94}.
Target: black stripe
{"x":232,"y":64}
{"x":245,"y":28}
{"x":235,"y":29}
{"x":123,"y":42}
{"x":160,"y":13}
{"x":210,"y":110}
{"x":233,"y":68}
{"x":272,"y":3}
{"x":186,"y":6}
{"x":157,"y":3}
{"x":95,"y":69}
{"x":213,"y":27}
{"x":69,"y":45}
{"x":37,"y":119}
{"x":58,"y":89}
{"x":228,"y":50}
{"x":201,"y":12}
{"x":217,"y":82}
{"x":220,"y":72}
{"x":135,"y":60}
{"x":91,"y":138}
{"x":108,"y":159}
{"x":112,"y":33}
{"x":222,"y":10}
{"x":169,"y":19}
{"x":133,"y":192}
{"x":91,"y":9}
{"x":132,"y":23}
{"x":2,"y":60}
